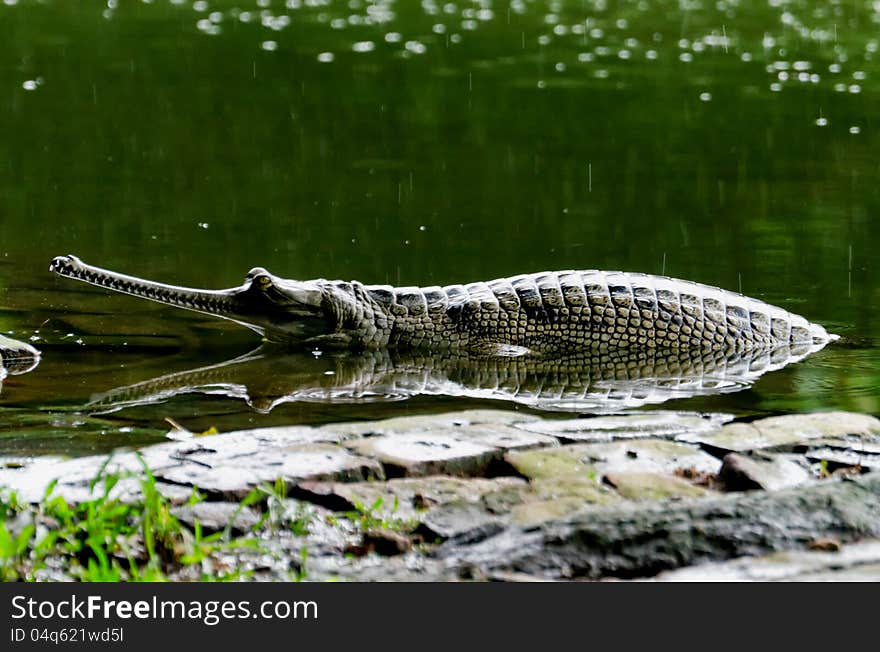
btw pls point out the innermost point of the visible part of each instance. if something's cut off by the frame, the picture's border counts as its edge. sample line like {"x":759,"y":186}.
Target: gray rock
{"x":503,"y":437}
{"x":564,"y":461}
{"x":855,"y":561}
{"x":786,"y":432}
{"x":427,"y":453}
{"x":462,"y":522}
{"x":640,"y":455}
{"x":74,"y":477}
{"x":630,"y":541}
{"x":403,"y":498}
{"x":214,"y":517}
{"x":837,"y":458}
{"x":445,"y":422}
{"x":653,"y":486}
{"x":657,"y":423}
{"x":411,"y":567}
{"x":218,"y":471}
{"x":760,"y":471}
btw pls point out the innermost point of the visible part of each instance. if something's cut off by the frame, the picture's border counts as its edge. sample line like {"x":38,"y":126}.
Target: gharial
{"x":549,"y":312}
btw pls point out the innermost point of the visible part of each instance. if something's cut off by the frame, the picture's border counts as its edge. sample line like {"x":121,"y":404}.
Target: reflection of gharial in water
{"x":550,"y":312}
{"x":268,"y":377}
{"x":16,"y":357}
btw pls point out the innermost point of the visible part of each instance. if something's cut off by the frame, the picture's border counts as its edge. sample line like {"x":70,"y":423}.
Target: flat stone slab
{"x":638,"y":455}
{"x":653,"y":486}
{"x":769,"y":472}
{"x":854,"y":561}
{"x":246,"y":442}
{"x":837,"y":458}
{"x":787,"y":431}
{"x":464,"y":522}
{"x":504,"y":437}
{"x":563,"y":461}
{"x":657,"y":423}
{"x":427,"y":453}
{"x":445,"y":422}
{"x":217,"y":516}
{"x":73,"y":477}
{"x":230,"y":464}
{"x":218,"y":472}
{"x":405,"y":498}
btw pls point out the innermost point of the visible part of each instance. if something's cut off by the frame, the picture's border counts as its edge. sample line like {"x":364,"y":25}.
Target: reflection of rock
{"x":577,"y":382}
{"x":16,"y":357}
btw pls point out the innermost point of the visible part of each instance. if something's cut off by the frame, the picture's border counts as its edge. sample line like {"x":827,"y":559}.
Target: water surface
{"x":729,"y":143}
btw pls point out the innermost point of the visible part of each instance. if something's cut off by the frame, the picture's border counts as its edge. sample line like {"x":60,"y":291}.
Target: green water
{"x":732,"y":143}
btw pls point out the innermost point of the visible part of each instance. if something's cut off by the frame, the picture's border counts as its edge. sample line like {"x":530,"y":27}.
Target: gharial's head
{"x":280,"y":309}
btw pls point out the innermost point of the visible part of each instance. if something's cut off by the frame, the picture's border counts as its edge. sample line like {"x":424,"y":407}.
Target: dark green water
{"x":425,"y":143}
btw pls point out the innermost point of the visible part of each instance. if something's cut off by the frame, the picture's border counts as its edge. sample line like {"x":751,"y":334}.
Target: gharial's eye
{"x":264,"y":281}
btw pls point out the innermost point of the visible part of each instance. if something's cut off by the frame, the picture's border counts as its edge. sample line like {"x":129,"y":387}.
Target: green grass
{"x":106,"y":540}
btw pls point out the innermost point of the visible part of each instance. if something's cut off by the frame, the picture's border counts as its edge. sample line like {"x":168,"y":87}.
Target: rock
{"x":219,"y":472}
{"x":642,"y":455}
{"x":463,"y":522}
{"x":828,"y":544}
{"x":214,"y":517}
{"x":589,"y":491}
{"x":409,"y":567}
{"x":855,"y":561}
{"x":446,"y":422}
{"x":419,"y":454}
{"x":278,"y":436}
{"x":74,"y":477}
{"x":551,"y":463}
{"x":836,"y":458}
{"x":386,"y":542}
{"x":637,"y":541}
{"x":504,"y":437}
{"x":653,"y":486}
{"x":769,"y":472}
{"x":648,"y":455}
{"x":658,"y":423}
{"x":786,"y":432}
{"x":535,"y":512}
{"x":404,"y":498}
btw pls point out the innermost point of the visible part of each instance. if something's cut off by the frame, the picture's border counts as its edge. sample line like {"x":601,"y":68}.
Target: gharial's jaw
{"x":279,"y":309}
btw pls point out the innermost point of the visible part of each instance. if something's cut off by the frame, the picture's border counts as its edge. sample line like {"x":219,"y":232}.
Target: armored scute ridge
{"x":551,"y":312}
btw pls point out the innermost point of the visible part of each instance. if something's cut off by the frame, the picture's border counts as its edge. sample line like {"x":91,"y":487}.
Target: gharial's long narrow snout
{"x":223,"y":303}
{"x":280,"y":309}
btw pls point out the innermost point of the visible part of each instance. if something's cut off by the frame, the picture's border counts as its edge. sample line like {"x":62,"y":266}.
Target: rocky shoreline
{"x":505,"y":495}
